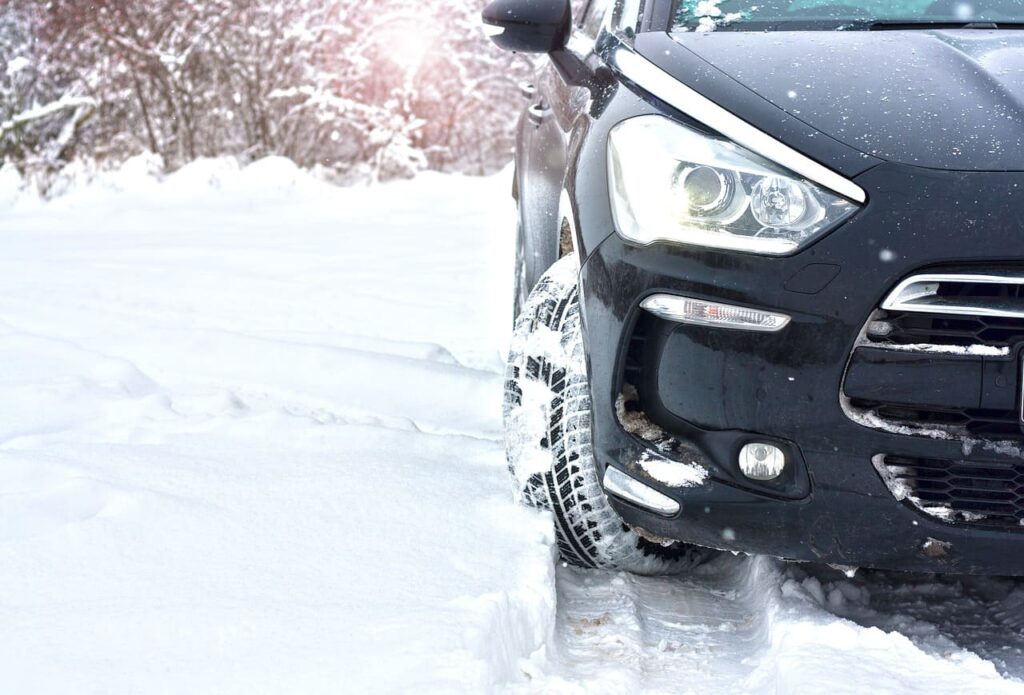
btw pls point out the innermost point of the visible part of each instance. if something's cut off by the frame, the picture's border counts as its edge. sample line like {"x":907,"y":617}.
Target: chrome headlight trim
{"x":653,"y":79}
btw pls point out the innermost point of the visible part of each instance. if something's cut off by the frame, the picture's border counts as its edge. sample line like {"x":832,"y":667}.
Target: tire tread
{"x":588,"y":532}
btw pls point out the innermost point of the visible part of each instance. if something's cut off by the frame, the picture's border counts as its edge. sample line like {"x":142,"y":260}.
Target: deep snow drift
{"x":249,"y":435}
{"x":250,"y":442}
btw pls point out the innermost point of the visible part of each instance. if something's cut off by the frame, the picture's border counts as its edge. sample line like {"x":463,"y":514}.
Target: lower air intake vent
{"x":984,"y":493}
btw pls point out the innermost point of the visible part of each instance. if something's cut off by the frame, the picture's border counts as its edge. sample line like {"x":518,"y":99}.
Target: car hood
{"x":937,"y":99}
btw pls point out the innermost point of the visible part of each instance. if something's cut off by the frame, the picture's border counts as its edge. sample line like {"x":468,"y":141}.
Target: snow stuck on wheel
{"x":250,"y":442}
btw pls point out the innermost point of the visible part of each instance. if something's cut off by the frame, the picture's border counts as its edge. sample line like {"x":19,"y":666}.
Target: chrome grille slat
{"x":959,"y":294}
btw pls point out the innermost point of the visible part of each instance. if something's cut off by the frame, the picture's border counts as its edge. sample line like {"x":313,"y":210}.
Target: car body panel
{"x":950,"y":99}
{"x":540,"y":169}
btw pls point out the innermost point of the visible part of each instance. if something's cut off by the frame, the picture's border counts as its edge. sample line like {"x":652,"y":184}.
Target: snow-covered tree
{"x":367,"y":88}
{"x":40,"y":114}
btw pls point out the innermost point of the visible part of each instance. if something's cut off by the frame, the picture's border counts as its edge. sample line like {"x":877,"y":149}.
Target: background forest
{"x":364,"y":89}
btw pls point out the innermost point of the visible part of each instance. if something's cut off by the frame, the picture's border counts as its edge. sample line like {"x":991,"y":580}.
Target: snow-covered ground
{"x":250,"y":442}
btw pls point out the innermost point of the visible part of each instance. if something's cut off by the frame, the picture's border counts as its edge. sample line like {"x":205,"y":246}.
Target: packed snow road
{"x":250,"y":442}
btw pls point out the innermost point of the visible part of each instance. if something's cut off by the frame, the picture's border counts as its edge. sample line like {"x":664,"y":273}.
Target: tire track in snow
{"x":623,"y":633}
{"x":755,"y":624}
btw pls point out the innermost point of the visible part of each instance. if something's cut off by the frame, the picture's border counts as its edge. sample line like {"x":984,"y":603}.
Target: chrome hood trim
{"x":652,"y":79}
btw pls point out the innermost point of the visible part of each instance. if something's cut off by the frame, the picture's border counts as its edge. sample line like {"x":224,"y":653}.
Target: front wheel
{"x":547,"y":415}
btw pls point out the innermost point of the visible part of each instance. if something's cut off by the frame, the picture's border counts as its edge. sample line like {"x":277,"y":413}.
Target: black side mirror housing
{"x":529,"y":26}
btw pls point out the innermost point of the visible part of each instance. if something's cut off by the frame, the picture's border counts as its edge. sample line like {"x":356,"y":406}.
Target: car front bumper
{"x":716,"y":389}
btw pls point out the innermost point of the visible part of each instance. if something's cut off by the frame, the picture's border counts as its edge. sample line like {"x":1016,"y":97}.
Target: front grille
{"x":940,"y":355}
{"x":976,"y":423}
{"x":984,"y":493}
{"x":906,"y":328}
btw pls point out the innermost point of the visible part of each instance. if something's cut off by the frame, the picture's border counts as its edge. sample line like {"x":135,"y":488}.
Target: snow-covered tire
{"x":548,"y":423}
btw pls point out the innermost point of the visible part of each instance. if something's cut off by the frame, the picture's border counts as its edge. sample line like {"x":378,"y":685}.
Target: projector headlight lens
{"x":672,"y":183}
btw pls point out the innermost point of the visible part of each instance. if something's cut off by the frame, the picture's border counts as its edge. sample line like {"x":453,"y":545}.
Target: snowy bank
{"x":249,"y":438}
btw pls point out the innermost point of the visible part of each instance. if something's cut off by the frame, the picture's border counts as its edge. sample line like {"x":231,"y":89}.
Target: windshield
{"x":760,"y":15}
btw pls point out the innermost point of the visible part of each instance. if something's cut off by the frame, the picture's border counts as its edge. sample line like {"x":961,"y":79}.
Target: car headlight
{"x":676,"y":184}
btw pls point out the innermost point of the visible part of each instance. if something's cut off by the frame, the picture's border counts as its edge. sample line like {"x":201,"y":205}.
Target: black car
{"x":770,"y":280}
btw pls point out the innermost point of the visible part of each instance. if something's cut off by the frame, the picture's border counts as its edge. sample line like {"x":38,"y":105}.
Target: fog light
{"x":622,"y":485}
{"x":760,"y":461}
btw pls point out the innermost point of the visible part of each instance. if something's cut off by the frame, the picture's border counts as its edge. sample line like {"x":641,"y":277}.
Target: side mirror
{"x":529,"y":26}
